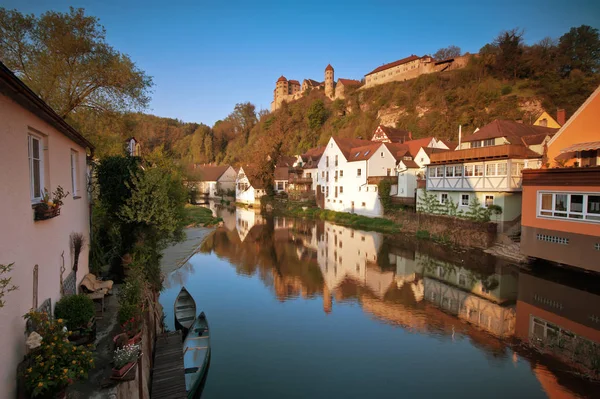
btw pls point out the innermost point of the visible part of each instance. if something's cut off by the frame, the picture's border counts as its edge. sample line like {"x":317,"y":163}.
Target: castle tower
{"x":280,"y":93}
{"x":329,"y":89}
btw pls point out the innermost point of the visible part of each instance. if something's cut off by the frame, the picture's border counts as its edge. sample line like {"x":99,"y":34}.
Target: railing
{"x":473,"y":154}
{"x":300,"y":180}
{"x":377,"y":179}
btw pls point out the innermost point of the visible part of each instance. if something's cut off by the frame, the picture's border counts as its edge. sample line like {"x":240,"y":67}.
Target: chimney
{"x":561,"y":116}
{"x":459,"y":136}
{"x":410,"y":135}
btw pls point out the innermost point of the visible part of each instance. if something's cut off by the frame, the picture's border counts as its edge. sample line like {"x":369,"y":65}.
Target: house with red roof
{"x":249,"y":188}
{"x":487,"y":167}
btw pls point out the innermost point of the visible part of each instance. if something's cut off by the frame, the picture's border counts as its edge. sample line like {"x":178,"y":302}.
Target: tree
{"x":509,"y":45}
{"x":244,"y":118}
{"x":580,"y":49}
{"x":447,"y":52}
{"x":65,"y":59}
{"x":317,"y":114}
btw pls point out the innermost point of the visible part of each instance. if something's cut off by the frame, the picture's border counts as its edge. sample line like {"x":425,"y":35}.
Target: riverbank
{"x":175,"y":256}
{"x":442,"y":229}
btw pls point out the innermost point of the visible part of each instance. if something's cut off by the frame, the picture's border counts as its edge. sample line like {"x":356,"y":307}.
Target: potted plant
{"x":78,"y":311}
{"x":53,"y":362}
{"x":48,"y":207}
{"x":125,"y":361}
{"x":133,"y":329}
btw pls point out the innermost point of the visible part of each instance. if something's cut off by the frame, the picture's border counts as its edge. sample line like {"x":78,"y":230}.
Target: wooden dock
{"x":168,"y":374}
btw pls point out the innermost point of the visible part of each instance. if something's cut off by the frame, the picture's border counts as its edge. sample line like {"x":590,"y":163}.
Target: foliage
{"x":346,"y":219}
{"x":126,"y":354}
{"x":5,"y":282}
{"x":316,"y":114}
{"x":447,"y":52}
{"x":113,"y":176}
{"x":56,"y":363}
{"x":509,"y":52}
{"x":430,"y":203}
{"x":383,"y":188}
{"x":579,"y":49}
{"x":200,"y":216}
{"x":75,"y":310}
{"x":477,"y":212}
{"x":423,"y":234}
{"x":130,"y":299}
{"x":64,"y":57}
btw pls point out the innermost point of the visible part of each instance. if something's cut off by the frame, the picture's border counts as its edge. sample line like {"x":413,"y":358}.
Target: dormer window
{"x":367,"y":152}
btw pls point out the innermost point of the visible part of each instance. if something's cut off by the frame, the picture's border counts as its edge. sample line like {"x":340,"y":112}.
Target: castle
{"x":290,"y":90}
{"x":405,"y":69}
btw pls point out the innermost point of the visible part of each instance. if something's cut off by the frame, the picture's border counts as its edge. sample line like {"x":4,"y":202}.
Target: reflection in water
{"x":551,"y":321}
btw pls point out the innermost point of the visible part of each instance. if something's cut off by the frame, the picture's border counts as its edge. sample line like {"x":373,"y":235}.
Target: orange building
{"x":561,"y":206}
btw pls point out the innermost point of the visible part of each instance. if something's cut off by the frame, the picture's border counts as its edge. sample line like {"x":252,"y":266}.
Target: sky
{"x":206,"y":56}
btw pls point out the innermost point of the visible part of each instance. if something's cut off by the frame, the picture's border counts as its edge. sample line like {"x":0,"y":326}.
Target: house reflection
{"x":423,"y":287}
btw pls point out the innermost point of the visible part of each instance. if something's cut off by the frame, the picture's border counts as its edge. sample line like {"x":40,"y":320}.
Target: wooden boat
{"x":196,"y":355}
{"x":185,"y":310}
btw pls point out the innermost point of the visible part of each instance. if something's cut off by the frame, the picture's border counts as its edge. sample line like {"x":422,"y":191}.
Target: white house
{"x":39,"y":151}
{"x":310,"y":164}
{"x":349,"y":172}
{"x":133,"y":147}
{"x":215,"y":181}
{"x":248,"y":189}
{"x":488,"y":166}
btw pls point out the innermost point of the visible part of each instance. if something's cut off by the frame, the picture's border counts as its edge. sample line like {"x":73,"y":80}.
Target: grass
{"x":199,"y":216}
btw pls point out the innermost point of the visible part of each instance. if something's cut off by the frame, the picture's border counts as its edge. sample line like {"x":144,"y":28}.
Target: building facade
{"x":39,"y":152}
{"x":248,"y":189}
{"x":216,"y":181}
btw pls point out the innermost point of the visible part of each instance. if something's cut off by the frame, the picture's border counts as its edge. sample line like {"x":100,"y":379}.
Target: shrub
{"x":130,"y":299}
{"x":127,"y":354}
{"x":76,"y":310}
{"x":506,"y":89}
{"x":423,"y":234}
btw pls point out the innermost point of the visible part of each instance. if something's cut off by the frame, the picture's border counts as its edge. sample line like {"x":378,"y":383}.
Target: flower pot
{"x":136,"y":339}
{"x":127,"y":371}
{"x":43,"y":212}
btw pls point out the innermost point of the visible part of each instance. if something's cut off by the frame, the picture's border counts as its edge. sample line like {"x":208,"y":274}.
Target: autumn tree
{"x":509,"y":52}
{"x":65,"y":59}
{"x":580,"y":49}
{"x":447,"y":52}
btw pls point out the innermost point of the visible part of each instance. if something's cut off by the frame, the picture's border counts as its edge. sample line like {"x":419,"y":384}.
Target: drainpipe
{"x":459,"y":135}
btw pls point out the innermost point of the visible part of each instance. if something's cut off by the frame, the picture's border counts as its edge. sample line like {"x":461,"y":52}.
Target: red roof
{"x":415,"y":145}
{"x":282,"y":173}
{"x":410,"y":164}
{"x":363,"y":152}
{"x":393,"y":64}
{"x":252,"y":175}
{"x":513,"y":131}
{"x":282,"y":79}
{"x":210,"y":172}
{"x":395,"y":135}
{"x":349,"y":82}
{"x":312,"y":82}
{"x":450,"y":144}
{"x":398,"y":150}
{"x":294,"y":82}
{"x":329,"y":67}
{"x":346,"y":145}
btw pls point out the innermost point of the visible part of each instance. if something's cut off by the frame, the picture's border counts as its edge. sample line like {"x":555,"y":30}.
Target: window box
{"x":43,"y":211}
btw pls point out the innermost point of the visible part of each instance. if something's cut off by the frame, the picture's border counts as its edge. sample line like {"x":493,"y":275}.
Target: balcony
{"x":300,"y":180}
{"x":377,"y":179}
{"x":484,"y":153}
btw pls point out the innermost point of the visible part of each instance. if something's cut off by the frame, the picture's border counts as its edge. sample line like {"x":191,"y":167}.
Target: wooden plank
{"x":168,"y":373}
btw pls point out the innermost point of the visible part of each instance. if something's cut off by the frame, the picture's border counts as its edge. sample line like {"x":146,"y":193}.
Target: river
{"x":302,"y":309}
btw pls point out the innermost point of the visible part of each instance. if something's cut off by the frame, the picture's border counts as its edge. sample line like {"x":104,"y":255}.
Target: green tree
{"x":316,"y":114}
{"x":65,"y":59}
{"x":509,"y":45}
{"x":580,"y":49}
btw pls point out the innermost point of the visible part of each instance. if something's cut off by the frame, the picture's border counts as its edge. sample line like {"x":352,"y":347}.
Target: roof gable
{"x":512,"y":130}
{"x":390,"y":134}
{"x":211,"y":172}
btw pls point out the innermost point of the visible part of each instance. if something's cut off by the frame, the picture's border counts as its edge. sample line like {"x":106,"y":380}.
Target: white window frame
{"x":498,"y":168}
{"x":469,"y":171}
{"x":475,"y":170}
{"x":584,"y":213}
{"x":40,"y":139}
{"x":442,"y":198}
{"x":485,"y":197}
{"x":462,"y":203}
{"x":75,"y":173}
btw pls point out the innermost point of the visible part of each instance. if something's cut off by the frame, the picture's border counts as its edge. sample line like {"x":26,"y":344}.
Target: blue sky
{"x":206,"y":56}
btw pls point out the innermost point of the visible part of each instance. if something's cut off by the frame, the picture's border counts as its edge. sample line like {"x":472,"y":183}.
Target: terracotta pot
{"x":136,"y":339}
{"x":129,"y":367}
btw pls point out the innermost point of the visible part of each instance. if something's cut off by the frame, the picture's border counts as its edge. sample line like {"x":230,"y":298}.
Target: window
{"x":478,"y":170}
{"x":327,"y":161}
{"x":74,"y":174}
{"x":358,"y":172}
{"x":552,"y":239}
{"x":279,"y":185}
{"x":516,"y":168}
{"x":489,"y":200}
{"x":431,"y":172}
{"x":462,"y":280}
{"x":439,"y":171}
{"x":569,"y":205}
{"x":341,"y":189}
{"x":443,"y":198}
{"x":327,"y":176}
{"x":341,"y":173}
{"x":363,"y":205}
{"x":327,"y":191}
{"x":367,"y":152}
{"x":468,"y":170}
{"x":322,"y":175}
{"x":381,"y":154}
{"x":336,"y":160}
{"x":488,"y":142}
{"x":335,"y":192}
{"x":389,"y":172}
{"x":465,"y":199}
{"x":36,"y":167}
{"x":502,"y":167}
{"x":308,"y":175}
{"x":475,"y":144}
{"x":458,"y":170}
{"x":449,"y":171}
{"x":490,"y":169}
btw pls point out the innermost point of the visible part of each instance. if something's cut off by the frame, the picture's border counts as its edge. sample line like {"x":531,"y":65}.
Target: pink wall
{"x":25,"y":242}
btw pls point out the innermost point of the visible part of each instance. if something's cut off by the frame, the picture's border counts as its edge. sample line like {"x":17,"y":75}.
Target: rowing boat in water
{"x":185,"y":310}
{"x":196,"y":354}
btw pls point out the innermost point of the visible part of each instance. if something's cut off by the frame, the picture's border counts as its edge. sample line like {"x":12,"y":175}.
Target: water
{"x":313,"y":310}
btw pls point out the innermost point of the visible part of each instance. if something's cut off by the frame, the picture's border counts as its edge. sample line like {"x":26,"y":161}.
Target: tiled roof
{"x":312,"y":83}
{"x":329,"y":67}
{"x":252,"y":174}
{"x":450,"y":144}
{"x":393,"y":64}
{"x":415,"y":145}
{"x":285,"y":160}
{"x":282,"y":79}
{"x":410,"y":164}
{"x":396,"y":135}
{"x":364,"y":152}
{"x":282,"y":173}
{"x":398,"y":150}
{"x":536,"y":139}
{"x":349,"y":82}
{"x":210,"y":172}
{"x":512,"y":130}
{"x":346,"y":145}
{"x":294,"y":82}
{"x":432,"y":150}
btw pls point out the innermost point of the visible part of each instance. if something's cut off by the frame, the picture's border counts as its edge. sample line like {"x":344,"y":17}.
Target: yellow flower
{"x":73,"y":362}
{"x":41,"y":384}
{"x":60,"y":321}
{"x":91,"y":360}
{"x":80,"y":371}
{"x":42,"y":363}
{"x":65,"y":371}
{"x":29,"y":370}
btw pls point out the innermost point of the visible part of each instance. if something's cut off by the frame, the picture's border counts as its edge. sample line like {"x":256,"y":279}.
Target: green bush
{"x":77,"y":310}
{"x":423,"y":234}
{"x":130,"y":299}
{"x":506,"y":89}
